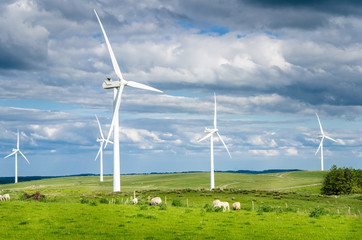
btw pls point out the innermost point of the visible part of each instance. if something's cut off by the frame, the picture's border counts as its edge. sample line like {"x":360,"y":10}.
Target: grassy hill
{"x":179,"y":181}
{"x":273,"y":206}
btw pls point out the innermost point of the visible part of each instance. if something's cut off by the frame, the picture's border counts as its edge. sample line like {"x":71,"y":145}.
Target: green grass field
{"x":273,"y":206}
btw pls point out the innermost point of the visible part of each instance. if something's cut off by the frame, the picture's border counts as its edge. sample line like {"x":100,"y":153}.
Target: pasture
{"x":273,"y":206}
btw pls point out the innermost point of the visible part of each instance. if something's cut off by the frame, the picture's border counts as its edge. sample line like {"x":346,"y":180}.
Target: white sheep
{"x":1,"y":198}
{"x":6,"y":197}
{"x":155,"y":201}
{"x":216,"y":203}
{"x":134,"y":201}
{"x":236,"y":206}
{"x":224,"y":205}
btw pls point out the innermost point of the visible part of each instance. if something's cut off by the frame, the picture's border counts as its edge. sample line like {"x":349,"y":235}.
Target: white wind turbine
{"x":16,"y":151}
{"x":117,"y":93}
{"x":101,"y":141}
{"x":210,"y":133}
{"x":322,"y":136}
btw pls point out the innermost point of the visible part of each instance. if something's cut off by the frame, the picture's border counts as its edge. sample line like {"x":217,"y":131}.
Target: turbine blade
{"x":142,"y":86}
{"x":215,"y":112}
{"x":99,"y":151}
{"x":108,"y":141}
{"x":10,"y":154}
{"x":17,"y":143}
{"x":330,"y":139}
{"x":24,"y":156}
{"x":113,"y":58}
{"x":100,"y":128}
{"x":320,"y":125}
{"x":116,"y":108}
{"x":224,"y":144}
{"x":207,"y":136}
{"x":320,"y":145}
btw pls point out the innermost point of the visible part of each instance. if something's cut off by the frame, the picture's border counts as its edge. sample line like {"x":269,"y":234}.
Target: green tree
{"x":342,"y":181}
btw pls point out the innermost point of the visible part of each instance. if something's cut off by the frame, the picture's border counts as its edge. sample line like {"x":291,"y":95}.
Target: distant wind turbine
{"x":16,"y":151}
{"x":210,"y":134}
{"x":117,"y":93}
{"x":100,"y":151}
{"x":322,"y":136}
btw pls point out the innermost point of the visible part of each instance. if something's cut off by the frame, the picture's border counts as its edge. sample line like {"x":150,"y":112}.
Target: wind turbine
{"x":210,"y":134}
{"x":16,"y":151}
{"x":322,"y":136}
{"x":118,"y":87}
{"x":100,"y":151}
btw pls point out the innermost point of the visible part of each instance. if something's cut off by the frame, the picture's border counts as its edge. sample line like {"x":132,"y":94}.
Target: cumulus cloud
{"x":270,"y":75}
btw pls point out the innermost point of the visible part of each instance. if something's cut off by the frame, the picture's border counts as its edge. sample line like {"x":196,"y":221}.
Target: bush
{"x":208,"y":207}
{"x":104,"y":200}
{"x":317,"y":212}
{"x":163,"y":206}
{"x":177,"y":203}
{"x":342,"y":181}
{"x":265,"y":208}
{"x":93,"y":203}
{"x":84,"y":200}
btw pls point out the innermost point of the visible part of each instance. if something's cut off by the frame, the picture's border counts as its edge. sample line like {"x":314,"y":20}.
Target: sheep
{"x":155,"y":201}
{"x":134,"y":201}
{"x":224,"y":205}
{"x":6,"y":197}
{"x":1,"y":198}
{"x":236,"y":206}
{"x":216,"y":203}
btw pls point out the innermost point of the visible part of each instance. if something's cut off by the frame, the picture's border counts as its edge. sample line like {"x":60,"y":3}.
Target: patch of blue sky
{"x":272,"y":34}
{"x":218,"y":30}
{"x":211,"y":30}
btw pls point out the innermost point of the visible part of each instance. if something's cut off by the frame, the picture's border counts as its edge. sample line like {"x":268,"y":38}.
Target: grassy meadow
{"x":273,"y":206}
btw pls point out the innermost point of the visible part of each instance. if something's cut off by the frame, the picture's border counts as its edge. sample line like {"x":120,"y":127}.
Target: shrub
{"x":265,"y":208}
{"x":208,"y":207}
{"x":104,"y":200}
{"x":317,"y":212}
{"x":342,"y":181}
{"x":163,"y":206}
{"x":177,"y":203}
{"x":84,"y":200}
{"x":93,"y":203}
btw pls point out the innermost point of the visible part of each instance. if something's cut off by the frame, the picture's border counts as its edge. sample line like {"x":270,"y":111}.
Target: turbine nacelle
{"x":100,"y":140}
{"x":108,"y":84}
{"x":209,"y":130}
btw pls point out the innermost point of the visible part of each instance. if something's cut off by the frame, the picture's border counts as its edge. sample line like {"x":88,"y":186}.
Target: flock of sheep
{"x":217,"y":203}
{"x":5,"y":197}
{"x":225,"y":205}
{"x":157,"y":201}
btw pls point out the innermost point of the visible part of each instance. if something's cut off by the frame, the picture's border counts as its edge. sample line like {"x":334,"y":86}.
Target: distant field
{"x":82,"y":207}
{"x":180,"y":181}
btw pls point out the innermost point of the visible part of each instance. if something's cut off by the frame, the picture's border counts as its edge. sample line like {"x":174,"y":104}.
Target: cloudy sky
{"x":272,"y":65}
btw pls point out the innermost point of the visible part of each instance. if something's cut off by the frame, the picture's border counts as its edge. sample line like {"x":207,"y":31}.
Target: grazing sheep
{"x":216,"y":203}
{"x":6,"y":197}
{"x":1,"y":198}
{"x":236,"y":206}
{"x":135,"y":201}
{"x":224,"y":205}
{"x":155,"y":201}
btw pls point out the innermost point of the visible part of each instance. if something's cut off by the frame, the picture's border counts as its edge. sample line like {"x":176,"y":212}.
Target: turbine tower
{"x":101,"y":141}
{"x":16,"y":151}
{"x":322,"y":136}
{"x":118,"y":87}
{"x":210,"y":133}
